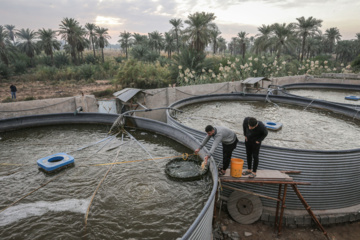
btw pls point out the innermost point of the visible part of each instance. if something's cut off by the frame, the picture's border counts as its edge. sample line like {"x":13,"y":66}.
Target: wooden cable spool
{"x":244,"y":208}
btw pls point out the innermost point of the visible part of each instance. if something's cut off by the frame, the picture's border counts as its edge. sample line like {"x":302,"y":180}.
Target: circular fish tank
{"x":136,"y":200}
{"x":331,"y":92}
{"x":302,"y":144}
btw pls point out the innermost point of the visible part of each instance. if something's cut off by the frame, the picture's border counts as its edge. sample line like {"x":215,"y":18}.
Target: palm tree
{"x":284,"y":37}
{"x":102,"y":36}
{"x":91,"y":30}
{"x":11,"y":29}
{"x":4,"y":35}
{"x":214,"y":34}
{"x":177,"y":25}
{"x":357,"y":43}
{"x":140,"y":39}
{"x":82,"y":42}
{"x":345,"y":51}
{"x":242,"y":37}
{"x":48,"y":42}
{"x":314,"y":46}
{"x":222,"y":44}
{"x":28,"y":44}
{"x":69,"y":32}
{"x":198,"y":31}
{"x":233,"y":46}
{"x":263,"y":42}
{"x":125,"y":41}
{"x":305,"y":28}
{"x":156,"y":40}
{"x":332,"y":35}
{"x":169,"y":43}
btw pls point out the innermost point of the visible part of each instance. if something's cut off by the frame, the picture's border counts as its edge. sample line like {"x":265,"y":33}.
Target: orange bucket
{"x":236,"y":167}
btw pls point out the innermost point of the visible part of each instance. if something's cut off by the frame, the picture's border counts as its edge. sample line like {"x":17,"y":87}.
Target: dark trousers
{"x":227,"y":152}
{"x":252,"y":152}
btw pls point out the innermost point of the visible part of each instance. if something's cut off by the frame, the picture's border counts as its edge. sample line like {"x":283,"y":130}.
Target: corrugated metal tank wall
{"x":333,"y":175}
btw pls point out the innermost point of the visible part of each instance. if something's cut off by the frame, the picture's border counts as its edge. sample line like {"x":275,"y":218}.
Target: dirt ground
{"x":231,"y":230}
{"x":42,"y":90}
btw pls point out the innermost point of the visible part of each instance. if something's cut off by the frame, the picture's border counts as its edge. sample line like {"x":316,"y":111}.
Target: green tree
{"x":345,"y":51}
{"x":156,"y":41}
{"x":177,"y":25}
{"x":263,"y":41}
{"x":332,"y":35}
{"x":48,"y":42}
{"x":4,"y":35}
{"x":27,"y":44}
{"x":140,"y":39}
{"x":214,"y":34}
{"x":102,"y":37}
{"x":125,"y":41}
{"x":169,"y":45}
{"x":199,"y":29}
{"x":283,"y":37}
{"x":91,"y":31}
{"x":307,"y":27}
{"x":357,"y":43}
{"x":242,"y":39}
{"x":222,"y":44}
{"x":11,"y":30}
{"x":69,"y":31}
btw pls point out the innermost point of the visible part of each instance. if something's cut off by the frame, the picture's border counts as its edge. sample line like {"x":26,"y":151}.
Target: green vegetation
{"x":191,"y":52}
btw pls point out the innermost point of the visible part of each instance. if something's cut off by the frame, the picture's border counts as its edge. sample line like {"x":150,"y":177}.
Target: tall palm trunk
{"x":303,"y":49}
{"x":102,"y":54}
{"x":92,"y":42}
{"x":52,"y":58}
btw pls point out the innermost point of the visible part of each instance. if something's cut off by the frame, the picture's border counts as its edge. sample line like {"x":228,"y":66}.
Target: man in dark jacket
{"x":13,"y":91}
{"x":254,"y":132}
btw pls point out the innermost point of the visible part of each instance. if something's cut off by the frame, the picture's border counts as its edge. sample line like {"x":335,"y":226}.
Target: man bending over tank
{"x":254,"y":132}
{"x":226,"y":137}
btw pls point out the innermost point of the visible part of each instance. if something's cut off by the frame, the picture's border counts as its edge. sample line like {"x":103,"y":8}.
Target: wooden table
{"x":283,"y":180}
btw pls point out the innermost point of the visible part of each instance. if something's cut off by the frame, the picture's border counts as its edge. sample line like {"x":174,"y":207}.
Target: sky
{"x":144,"y":16}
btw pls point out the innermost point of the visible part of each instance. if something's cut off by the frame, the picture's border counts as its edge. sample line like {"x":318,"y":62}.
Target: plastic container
{"x":236,"y":167}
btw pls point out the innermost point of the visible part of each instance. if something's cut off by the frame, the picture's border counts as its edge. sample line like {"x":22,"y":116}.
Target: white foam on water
{"x":21,"y":211}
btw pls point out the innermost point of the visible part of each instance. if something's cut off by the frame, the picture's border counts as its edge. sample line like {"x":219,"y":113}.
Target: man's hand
{"x":257,"y":142}
{"x":203,"y":164}
{"x":245,"y":139}
{"x":197,"y":151}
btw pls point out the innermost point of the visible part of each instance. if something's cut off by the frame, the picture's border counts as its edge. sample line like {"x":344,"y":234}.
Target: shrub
{"x":104,"y":93}
{"x":46,"y":73}
{"x":20,"y":67}
{"x":119,"y":59}
{"x":45,"y":60}
{"x":89,"y":58}
{"x":61,"y":59}
{"x":4,"y":70}
{"x":7,"y":100}
{"x":356,"y":64}
{"x":138,"y":74}
{"x":29,"y":98}
{"x":86,"y":71}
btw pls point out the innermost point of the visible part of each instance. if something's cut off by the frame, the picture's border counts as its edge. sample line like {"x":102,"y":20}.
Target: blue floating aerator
{"x":272,"y":125}
{"x":354,"y":98}
{"x":55,"y":162}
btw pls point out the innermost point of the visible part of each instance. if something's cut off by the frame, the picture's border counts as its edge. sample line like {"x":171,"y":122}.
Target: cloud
{"x":144,"y":16}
